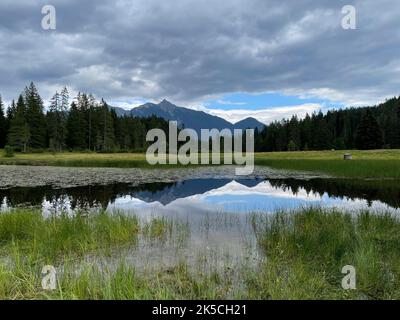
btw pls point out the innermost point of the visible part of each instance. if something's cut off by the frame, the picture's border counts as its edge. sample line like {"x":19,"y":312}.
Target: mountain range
{"x":188,"y":118}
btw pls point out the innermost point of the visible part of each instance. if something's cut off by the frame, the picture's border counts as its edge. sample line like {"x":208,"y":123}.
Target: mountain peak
{"x":248,"y":119}
{"x":190,"y":118}
{"x":249,"y":122}
{"x":165,"y":102}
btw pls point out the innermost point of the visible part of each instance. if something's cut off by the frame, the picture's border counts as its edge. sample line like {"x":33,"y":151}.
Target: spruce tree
{"x":64,"y":100}
{"x":19,"y":134}
{"x":396,"y":143}
{"x":12,"y":109}
{"x":35,"y":117}
{"x":57,"y":120}
{"x":107,"y":128}
{"x":369,"y":134}
{"x":3,"y":125}
{"x":76,"y":128}
{"x":52,"y":122}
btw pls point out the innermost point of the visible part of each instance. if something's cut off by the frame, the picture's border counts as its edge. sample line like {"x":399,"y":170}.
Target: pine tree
{"x":86,"y":104}
{"x":369,"y":134}
{"x":35,"y":117}
{"x":91,"y":106}
{"x":306,"y":133}
{"x":64,"y":100}
{"x":76,"y":128}
{"x":19,"y":133}
{"x":52,"y":122}
{"x":294,"y":133}
{"x":57,"y":120}
{"x":322,"y":137}
{"x":3,"y":125}
{"x":107,"y":128}
{"x":292,"y":146}
{"x":396,"y":143}
{"x":12,"y":109}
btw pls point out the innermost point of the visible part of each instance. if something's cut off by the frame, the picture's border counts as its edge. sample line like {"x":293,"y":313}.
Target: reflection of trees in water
{"x":22,"y":196}
{"x":84,"y":198}
{"x":80,"y":198}
{"x":385,"y":191}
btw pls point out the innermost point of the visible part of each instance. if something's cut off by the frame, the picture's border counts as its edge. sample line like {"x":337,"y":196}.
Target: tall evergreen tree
{"x":64,"y":100}
{"x":107,"y":127}
{"x":12,"y":109}
{"x":369,"y":134}
{"x":57,"y":120}
{"x":76,"y":128}
{"x":3,"y":125}
{"x":52,"y":123}
{"x":19,"y":134}
{"x":396,"y":142}
{"x":91,"y":106}
{"x":322,"y":137}
{"x":35,"y":117}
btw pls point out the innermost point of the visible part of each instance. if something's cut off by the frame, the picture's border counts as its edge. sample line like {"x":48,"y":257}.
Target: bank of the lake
{"x":376,"y":164}
{"x":304,"y":252}
{"x":12,"y":176}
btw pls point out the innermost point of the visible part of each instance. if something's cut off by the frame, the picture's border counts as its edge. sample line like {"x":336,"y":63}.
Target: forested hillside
{"x":353,"y":128}
{"x":83,"y":123}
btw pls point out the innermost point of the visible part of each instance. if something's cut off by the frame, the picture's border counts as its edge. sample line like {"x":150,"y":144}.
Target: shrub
{"x":8,"y":151}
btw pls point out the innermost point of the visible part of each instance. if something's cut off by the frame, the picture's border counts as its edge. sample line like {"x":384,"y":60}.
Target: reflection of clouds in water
{"x":239,"y":198}
{"x":204,"y":196}
{"x":128,"y":202}
{"x":263,"y":188}
{"x":3,"y":203}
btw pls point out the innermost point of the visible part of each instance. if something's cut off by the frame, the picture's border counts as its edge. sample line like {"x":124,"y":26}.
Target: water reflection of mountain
{"x":100,"y":196}
{"x":188,"y":188}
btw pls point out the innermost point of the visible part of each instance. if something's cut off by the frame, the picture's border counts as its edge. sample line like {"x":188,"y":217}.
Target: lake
{"x":210,"y":195}
{"x":205,"y":219}
{"x":217,"y":213}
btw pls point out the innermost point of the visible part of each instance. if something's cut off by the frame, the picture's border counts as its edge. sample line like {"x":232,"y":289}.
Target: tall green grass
{"x":306,"y":251}
{"x":56,"y":237}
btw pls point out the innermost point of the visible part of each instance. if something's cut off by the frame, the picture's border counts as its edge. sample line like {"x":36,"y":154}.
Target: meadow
{"x":304,"y":252}
{"x":377,"y":164}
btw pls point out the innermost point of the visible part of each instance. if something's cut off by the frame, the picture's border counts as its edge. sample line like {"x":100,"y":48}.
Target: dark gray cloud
{"x":188,"y":50}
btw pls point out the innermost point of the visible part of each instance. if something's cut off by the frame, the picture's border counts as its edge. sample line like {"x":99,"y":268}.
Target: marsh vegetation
{"x":301,"y":257}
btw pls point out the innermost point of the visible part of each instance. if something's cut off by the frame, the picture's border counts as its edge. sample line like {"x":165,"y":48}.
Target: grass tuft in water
{"x":307,"y":250}
{"x":56,"y":237}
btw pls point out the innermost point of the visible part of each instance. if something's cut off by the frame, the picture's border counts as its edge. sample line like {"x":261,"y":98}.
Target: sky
{"x":236,"y":58}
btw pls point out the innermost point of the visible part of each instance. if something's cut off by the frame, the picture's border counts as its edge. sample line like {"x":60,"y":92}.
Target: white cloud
{"x":231,"y":103}
{"x":187,"y":50}
{"x":266,"y":115}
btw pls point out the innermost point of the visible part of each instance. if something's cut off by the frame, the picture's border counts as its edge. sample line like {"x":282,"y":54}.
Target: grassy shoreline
{"x":305,"y":251}
{"x":376,"y":164}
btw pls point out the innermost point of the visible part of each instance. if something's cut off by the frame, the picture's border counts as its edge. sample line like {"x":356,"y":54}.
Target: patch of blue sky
{"x":266,"y":100}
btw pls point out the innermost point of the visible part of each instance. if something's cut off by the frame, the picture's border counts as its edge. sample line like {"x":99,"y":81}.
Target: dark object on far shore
{"x":347,"y":156}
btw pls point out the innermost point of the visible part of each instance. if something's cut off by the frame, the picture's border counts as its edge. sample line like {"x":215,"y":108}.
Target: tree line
{"x":353,"y":128}
{"x":84,"y":124}
{"x":90,"y":125}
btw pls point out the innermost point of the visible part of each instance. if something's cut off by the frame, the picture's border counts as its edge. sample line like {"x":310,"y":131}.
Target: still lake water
{"x":212,"y":195}
{"x":217,"y":212}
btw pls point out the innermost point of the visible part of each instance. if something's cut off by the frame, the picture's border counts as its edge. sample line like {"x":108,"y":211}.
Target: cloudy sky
{"x":233,"y":58}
